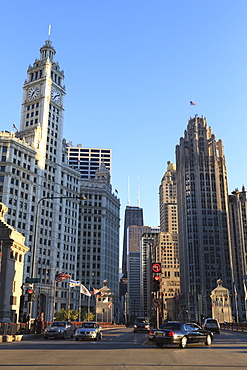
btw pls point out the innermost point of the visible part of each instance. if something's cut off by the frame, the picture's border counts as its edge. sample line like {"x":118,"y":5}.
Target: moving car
{"x":181,"y":334}
{"x":141,"y":324}
{"x":212,"y":325}
{"x":89,"y":330}
{"x":151,"y":334}
{"x":59,"y":329}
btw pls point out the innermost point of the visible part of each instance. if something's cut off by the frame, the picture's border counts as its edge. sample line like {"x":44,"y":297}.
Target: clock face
{"x":33,"y":92}
{"x":55,"y":96}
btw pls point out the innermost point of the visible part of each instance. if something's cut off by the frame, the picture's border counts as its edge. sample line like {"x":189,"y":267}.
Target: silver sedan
{"x":59,"y":329}
{"x":89,"y":330}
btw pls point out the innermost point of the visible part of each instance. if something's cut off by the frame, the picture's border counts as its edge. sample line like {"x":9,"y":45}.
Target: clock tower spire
{"x":42,"y":105}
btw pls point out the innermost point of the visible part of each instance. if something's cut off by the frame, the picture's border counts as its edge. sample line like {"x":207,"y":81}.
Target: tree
{"x":89,"y":317}
{"x":64,"y":315}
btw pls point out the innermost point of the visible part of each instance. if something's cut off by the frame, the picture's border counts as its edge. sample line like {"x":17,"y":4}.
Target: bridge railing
{"x":236,"y":326}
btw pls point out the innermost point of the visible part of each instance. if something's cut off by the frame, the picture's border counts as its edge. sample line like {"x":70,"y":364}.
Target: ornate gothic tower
{"x":203,"y":216}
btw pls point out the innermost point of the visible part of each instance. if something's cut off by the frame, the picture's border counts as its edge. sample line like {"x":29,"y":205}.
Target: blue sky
{"x":131,"y":68}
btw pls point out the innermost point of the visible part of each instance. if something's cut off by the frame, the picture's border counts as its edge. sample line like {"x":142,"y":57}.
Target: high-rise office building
{"x":88,"y":160}
{"x":147,"y":257}
{"x":133,"y":217}
{"x":167,"y":241}
{"x":238,"y":221}
{"x":203,"y":216}
{"x":98,"y":243}
{"x":134,"y":244}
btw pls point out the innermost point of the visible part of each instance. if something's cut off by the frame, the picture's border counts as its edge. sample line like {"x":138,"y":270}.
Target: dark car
{"x":182,"y":334}
{"x":212,"y":325}
{"x":151,"y":334}
{"x":141,"y":324}
{"x":59,"y":329}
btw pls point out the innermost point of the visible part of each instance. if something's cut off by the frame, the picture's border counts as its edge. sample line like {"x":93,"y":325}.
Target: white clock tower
{"x":42,"y":106}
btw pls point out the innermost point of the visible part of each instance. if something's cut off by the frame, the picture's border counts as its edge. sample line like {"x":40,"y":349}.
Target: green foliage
{"x":64,"y":315}
{"x":89,"y":317}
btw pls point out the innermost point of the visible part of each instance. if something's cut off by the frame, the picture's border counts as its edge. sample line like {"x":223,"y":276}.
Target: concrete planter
{"x":17,"y":337}
{"x":7,"y":338}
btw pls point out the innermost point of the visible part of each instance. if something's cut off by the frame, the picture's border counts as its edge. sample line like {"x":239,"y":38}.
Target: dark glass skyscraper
{"x":133,"y":217}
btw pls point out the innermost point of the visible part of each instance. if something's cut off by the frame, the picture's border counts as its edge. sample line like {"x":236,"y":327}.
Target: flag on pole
{"x":73,"y":283}
{"x":192,"y":103}
{"x":83,"y":290}
{"x":62,"y":276}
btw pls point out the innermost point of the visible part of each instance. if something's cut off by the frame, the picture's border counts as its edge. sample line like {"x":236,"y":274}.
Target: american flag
{"x":62,"y":276}
{"x":192,"y":103}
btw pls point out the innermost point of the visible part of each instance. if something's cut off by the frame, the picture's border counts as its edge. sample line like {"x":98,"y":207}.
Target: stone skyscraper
{"x":203,"y":216}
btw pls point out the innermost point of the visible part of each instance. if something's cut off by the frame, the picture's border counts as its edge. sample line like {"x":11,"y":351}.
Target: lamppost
{"x":35,"y":242}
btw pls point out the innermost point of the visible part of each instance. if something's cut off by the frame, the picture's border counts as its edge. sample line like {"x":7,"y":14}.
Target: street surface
{"x":121,"y":349}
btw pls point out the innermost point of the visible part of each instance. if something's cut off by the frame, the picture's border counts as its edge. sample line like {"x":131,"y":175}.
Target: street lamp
{"x":35,"y":241}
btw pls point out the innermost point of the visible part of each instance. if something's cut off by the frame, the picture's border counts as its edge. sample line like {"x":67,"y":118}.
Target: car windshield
{"x":141,"y":321}
{"x":170,"y":326}
{"x":88,"y":325}
{"x":58,"y":324}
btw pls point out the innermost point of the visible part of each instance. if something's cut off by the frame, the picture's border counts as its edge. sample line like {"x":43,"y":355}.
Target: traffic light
{"x":31,"y":295}
{"x":156,"y":283}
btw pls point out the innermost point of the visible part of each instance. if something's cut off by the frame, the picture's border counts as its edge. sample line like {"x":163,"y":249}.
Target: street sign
{"x":156,"y":303}
{"x":156,"y":267}
{"x":31,"y":280}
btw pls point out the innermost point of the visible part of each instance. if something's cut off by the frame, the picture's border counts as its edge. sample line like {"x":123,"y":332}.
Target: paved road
{"x":121,"y":349}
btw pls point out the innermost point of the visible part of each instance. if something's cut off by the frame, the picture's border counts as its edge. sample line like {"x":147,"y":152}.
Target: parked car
{"x":59,"y":329}
{"x":212,"y":325}
{"x":141,"y":324}
{"x":182,"y":334}
{"x":89,"y":330}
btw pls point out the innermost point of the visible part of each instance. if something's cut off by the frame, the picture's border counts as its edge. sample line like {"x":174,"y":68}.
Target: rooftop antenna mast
{"x":138,"y":194}
{"x":128,"y":191}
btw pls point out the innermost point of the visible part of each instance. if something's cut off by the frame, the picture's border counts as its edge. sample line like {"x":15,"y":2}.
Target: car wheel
{"x":134,"y":331}
{"x":218,"y":332}
{"x":184,"y":342}
{"x":64,"y":335}
{"x":208,"y":340}
{"x":159,"y":345}
{"x":100,"y":336}
{"x":76,"y":338}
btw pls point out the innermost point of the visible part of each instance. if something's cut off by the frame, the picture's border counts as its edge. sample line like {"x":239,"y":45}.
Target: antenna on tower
{"x":138,"y":194}
{"x":128,"y":191}
{"x":49,"y":31}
